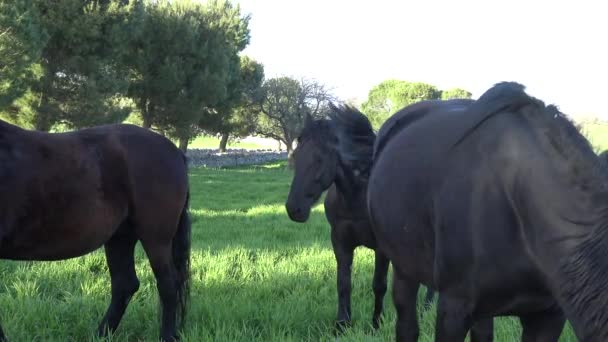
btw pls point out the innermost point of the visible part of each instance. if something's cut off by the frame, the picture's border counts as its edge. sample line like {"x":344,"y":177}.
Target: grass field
{"x":257,"y":276}
{"x":205,"y":141}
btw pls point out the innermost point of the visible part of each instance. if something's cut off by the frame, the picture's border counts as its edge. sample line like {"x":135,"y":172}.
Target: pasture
{"x":255,"y":276}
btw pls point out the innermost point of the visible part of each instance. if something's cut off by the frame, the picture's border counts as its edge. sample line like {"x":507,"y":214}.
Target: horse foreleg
{"x":543,"y":326}
{"x":428,"y":299}
{"x":454,"y":319}
{"x":405,"y":291}
{"x":483,"y":330}
{"x":120,"y":257}
{"x":344,"y":259}
{"x":379,"y":286}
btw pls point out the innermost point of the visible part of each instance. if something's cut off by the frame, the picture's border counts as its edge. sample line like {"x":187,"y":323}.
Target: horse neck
{"x":572,"y":251}
{"x":348,"y":184}
{"x":583,"y":284}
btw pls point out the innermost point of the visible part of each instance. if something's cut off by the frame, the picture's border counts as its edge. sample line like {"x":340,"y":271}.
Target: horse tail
{"x":502,"y":97}
{"x":181,"y":257}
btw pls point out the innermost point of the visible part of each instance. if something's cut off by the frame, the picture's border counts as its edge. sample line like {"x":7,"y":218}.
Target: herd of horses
{"x":500,"y":205}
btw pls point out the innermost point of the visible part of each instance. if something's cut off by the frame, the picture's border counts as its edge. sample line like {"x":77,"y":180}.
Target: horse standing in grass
{"x":317,"y":169}
{"x":503,"y":208}
{"x":65,"y":195}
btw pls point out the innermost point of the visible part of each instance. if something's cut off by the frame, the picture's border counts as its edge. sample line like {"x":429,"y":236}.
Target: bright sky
{"x":557,"y":49}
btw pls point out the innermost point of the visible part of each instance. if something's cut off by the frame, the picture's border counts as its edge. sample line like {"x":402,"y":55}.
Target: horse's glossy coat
{"x":503,"y":208}
{"x":65,"y":195}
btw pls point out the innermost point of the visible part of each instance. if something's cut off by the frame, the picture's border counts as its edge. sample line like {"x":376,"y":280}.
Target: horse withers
{"x":317,"y":168}
{"x":66,"y":194}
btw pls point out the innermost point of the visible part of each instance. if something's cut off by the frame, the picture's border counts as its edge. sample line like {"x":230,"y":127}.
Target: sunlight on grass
{"x":256,"y":276}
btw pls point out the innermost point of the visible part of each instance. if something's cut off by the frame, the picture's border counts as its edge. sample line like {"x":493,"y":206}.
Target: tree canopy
{"x":284,"y":104}
{"x":80,"y":63}
{"x":391,"y":95}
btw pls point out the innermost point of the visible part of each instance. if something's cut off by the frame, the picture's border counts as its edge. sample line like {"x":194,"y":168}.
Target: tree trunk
{"x":224,"y":142}
{"x":145,"y":114}
{"x":280,"y":147}
{"x":42,"y":121}
{"x":289,"y":146}
{"x":183,"y":144}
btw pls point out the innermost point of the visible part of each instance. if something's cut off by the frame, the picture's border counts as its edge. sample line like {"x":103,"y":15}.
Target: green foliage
{"x":185,"y":57}
{"x":237,"y":115}
{"x":455,"y":93}
{"x":284,"y":104}
{"x":256,"y":276}
{"x":21,"y":43}
{"x":389,"y":96}
{"x":79,"y":76}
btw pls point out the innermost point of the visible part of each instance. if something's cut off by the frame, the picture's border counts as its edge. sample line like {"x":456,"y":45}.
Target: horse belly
{"x":58,"y":239}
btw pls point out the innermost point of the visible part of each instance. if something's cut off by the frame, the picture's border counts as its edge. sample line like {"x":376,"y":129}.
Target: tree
{"x":455,"y":93}
{"x":80,"y":78}
{"x":21,"y":43}
{"x":284,"y":104}
{"x":182,"y":60}
{"x":391,"y":95}
{"x":237,"y":115}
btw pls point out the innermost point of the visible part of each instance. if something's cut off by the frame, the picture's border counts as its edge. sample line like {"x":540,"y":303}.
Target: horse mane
{"x":356,"y":138}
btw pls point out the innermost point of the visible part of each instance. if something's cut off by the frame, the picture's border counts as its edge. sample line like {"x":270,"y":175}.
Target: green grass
{"x":256,"y":276}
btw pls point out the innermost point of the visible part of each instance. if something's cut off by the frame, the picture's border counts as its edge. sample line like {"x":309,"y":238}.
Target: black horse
{"x":503,"y":208}
{"x":318,"y":168}
{"x":604,"y":157}
{"x":66,"y":195}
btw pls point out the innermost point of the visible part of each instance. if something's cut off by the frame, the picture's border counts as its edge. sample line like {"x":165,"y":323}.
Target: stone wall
{"x":232,"y":157}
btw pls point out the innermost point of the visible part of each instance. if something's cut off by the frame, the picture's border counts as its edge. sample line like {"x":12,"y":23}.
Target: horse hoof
{"x":376,"y":323}
{"x":342,"y":325}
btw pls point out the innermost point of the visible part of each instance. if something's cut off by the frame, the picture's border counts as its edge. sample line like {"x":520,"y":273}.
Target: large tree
{"x":183,"y":60}
{"x":80,"y":76}
{"x":237,"y":115}
{"x":391,"y":95}
{"x":21,"y":43}
{"x":284,"y":104}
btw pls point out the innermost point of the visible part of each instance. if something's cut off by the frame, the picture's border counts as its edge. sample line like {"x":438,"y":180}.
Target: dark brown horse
{"x":503,"y":208}
{"x":65,"y":195}
{"x":318,"y":168}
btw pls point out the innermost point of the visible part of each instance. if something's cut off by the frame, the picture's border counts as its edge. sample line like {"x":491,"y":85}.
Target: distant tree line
{"x":174,"y":66}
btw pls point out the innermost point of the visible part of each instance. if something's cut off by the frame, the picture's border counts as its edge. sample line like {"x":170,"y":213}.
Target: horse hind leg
{"x":120,"y":251}
{"x":545,"y":326}
{"x":405,"y":291}
{"x":161,"y":261}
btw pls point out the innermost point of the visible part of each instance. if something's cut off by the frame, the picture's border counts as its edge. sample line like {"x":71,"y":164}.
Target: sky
{"x":557,"y":49}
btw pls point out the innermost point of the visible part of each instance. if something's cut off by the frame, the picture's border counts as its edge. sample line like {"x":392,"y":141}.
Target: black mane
{"x":355,"y":137}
